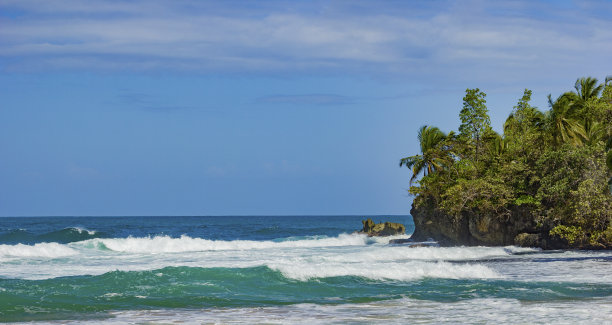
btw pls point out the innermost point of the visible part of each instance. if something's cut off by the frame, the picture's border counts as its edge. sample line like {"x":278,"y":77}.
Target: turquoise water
{"x":281,"y":269}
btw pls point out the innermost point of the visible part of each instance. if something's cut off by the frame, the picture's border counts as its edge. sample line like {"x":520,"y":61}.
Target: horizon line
{"x":221,"y":215}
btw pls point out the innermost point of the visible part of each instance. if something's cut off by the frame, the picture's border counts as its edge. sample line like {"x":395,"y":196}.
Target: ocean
{"x":282,"y":270}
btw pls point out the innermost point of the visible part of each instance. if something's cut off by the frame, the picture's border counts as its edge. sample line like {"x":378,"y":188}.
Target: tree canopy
{"x":556,"y":164}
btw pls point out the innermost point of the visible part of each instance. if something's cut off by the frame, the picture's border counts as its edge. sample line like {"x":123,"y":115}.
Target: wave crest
{"x":166,"y":244}
{"x":406,"y":271}
{"x":48,"y":250}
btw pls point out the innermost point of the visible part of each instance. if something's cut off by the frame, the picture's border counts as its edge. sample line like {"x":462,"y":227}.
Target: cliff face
{"x":481,"y":229}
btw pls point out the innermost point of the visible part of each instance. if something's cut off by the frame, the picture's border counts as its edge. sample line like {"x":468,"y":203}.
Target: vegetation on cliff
{"x":553,"y":168}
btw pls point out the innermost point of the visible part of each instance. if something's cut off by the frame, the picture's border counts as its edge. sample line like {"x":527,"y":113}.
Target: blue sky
{"x":260,"y":107}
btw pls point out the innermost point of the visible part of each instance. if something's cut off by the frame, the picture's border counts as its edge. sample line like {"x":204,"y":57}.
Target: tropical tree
{"x":475,"y":121}
{"x":552,"y":169}
{"x":524,"y":120}
{"x":594,"y":132}
{"x":587,"y":88}
{"x":432,"y":157}
{"x":496,"y":144}
{"x":609,"y":160}
{"x":562,"y":121}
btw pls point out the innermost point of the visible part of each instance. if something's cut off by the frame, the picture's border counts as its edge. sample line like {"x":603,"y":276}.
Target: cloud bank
{"x":440,"y":37}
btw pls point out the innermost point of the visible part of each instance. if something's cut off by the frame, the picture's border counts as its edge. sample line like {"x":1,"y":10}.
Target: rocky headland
{"x":473,"y":229}
{"x":545,"y":181}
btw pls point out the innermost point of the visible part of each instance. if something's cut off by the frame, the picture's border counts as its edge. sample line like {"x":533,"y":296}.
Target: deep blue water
{"x":31,"y":230}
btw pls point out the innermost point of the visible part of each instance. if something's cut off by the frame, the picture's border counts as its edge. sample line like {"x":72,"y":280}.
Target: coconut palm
{"x":594,"y":132}
{"x":587,"y":88}
{"x":562,"y":121}
{"x":433,"y":157}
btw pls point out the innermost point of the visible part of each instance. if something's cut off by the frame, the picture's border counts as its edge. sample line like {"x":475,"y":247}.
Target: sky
{"x":261,"y":107}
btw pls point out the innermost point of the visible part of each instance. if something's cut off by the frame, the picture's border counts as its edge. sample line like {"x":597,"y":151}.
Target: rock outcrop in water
{"x":382,"y":229}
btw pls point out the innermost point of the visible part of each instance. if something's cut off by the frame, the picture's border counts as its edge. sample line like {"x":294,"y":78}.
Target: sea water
{"x":296,"y":269}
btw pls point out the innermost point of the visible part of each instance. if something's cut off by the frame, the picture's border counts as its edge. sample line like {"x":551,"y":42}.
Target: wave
{"x":69,"y":235}
{"x":16,"y":236}
{"x":379,"y":250}
{"x":399,"y":311}
{"x":48,"y":250}
{"x":62,"y":236}
{"x":195,"y":287}
{"x":399,"y":253}
{"x":406,"y":271}
{"x":166,"y":244}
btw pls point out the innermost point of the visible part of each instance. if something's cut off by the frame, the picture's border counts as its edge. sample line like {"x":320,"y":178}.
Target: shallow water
{"x":282,"y":270}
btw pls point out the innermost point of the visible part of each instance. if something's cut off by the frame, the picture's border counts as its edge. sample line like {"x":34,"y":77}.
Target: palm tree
{"x":594,"y":132}
{"x":433,"y":158}
{"x":562,"y":121}
{"x":497,"y":144}
{"x":587,"y":88}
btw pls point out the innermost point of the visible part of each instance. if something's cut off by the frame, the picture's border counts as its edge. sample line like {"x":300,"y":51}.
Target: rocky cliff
{"x":470,"y":229}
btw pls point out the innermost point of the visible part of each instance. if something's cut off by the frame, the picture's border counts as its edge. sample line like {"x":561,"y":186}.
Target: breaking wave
{"x":48,"y":250}
{"x":166,"y":244}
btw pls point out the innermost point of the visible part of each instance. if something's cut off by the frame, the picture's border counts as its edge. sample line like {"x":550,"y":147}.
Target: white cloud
{"x":211,"y":37}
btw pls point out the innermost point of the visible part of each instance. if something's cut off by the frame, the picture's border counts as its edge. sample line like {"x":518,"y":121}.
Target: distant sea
{"x":272,"y":269}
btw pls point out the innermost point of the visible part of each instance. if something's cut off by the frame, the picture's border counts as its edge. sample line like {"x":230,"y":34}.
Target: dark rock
{"x":475,"y":228}
{"x":382,"y":229}
{"x":516,"y":227}
{"x":401,"y":241}
{"x":415,"y":245}
{"x":528,"y":240}
{"x":410,"y":243}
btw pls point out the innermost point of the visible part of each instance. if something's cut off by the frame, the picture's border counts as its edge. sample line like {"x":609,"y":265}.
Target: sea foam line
{"x":49,"y":250}
{"x":166,"y":244}
{"x":82,"y":230}
{"x":405,"y":271}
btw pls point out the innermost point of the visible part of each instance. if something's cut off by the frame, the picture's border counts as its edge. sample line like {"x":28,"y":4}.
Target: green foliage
{"x":572,"y":234}
{"x":482,"y":194}
{"x":526,"y":199}
{"x":475,"y":121}
{"x":556,"y":164}
{"x":525,"y":123}
{"x":587,"y":88}
{"x":433,"y":157}
{"x":573,"y":186}
{"x":563,"y":122}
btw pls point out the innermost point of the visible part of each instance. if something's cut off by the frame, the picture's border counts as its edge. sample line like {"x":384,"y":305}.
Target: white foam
{"x":386,"y":271}
{"x":400,"y":311}
{"x":83,"y":230}
{"x":393,"y":253}
{"x":316,"y":257}
{"x":166,"y":244}
{"x":48,"y":250}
